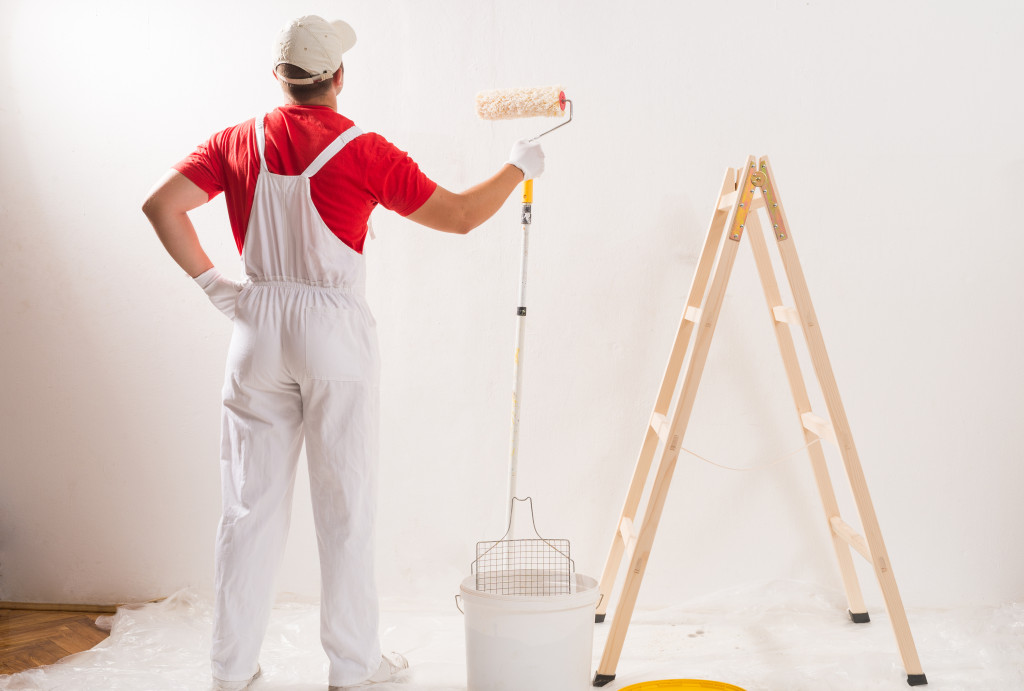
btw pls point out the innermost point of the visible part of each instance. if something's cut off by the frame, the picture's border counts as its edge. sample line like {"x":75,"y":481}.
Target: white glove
{"x":528,"y":157}
{"x":223,"y":292}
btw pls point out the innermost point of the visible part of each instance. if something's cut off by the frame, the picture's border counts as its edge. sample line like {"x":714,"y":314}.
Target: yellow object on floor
{"x":681,"y":684}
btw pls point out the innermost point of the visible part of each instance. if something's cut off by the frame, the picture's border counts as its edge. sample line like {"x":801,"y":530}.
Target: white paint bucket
{"x":529,"y":642}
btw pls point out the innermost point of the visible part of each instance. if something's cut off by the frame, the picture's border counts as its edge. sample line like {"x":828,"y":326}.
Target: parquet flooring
{"x":31,"y":638}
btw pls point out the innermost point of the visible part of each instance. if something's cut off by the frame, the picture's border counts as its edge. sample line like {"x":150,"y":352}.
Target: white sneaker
{"x":221,"y":685}
{"x":390,"y":666}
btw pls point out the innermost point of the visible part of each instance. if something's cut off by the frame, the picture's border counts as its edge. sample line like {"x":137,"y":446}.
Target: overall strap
{"x":261,"y":140}
{"x":332,"y":149}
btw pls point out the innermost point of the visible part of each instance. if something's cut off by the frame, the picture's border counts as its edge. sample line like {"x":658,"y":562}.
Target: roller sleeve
{"x":505,"y":104}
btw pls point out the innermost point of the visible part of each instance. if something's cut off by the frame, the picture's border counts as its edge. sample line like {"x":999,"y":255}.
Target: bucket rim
{"x":586,"y":589}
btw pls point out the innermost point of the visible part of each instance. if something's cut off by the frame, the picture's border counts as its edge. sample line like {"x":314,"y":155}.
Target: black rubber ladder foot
{"x":917,"y":679}
{"x":859,"y":617}
{"x":598,"y":618}
{"x":602,"y":679}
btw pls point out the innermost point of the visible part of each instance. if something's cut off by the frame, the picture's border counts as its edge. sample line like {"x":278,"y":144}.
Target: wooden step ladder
{"x":737,"y":206}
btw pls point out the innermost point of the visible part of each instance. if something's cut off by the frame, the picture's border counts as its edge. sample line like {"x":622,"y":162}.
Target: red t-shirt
{"x":370,"y":170}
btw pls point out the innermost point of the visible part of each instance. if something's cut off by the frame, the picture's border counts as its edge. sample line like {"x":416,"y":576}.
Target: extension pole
{"x":517,"y":376}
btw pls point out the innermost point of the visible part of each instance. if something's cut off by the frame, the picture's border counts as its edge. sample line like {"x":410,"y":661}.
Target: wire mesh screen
{"x":524,"y":567}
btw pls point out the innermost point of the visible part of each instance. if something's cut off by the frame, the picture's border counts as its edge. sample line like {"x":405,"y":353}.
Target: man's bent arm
{"x":167,"y":207}
{"x":462,"y":212}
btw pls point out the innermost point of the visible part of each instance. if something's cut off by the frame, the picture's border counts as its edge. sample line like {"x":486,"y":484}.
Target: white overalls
{"x":303,"y":362}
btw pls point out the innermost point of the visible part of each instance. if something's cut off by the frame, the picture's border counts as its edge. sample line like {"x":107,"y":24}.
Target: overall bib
{"x":303,"y":364}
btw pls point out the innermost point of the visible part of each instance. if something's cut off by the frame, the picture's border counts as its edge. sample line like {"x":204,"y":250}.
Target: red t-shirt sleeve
{"x":204,"y":167}
{"x":227,"y":162}
{"x":393,"y":178}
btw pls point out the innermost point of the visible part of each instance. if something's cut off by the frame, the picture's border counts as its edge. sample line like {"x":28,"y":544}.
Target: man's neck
{"x":332,"y":104}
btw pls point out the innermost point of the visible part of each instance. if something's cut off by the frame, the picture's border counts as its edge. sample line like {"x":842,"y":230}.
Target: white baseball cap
{"x":315,"y":45}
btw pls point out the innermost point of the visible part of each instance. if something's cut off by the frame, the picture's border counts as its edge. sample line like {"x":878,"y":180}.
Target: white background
{"x":894,"y":130}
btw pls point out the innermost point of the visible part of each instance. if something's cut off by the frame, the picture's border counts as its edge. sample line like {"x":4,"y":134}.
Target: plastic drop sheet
{"x":782,"y":636}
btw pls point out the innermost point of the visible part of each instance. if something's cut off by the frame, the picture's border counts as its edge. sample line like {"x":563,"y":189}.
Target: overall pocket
{"x":339,"y":345}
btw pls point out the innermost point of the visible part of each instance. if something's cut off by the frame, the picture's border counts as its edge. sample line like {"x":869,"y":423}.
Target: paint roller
{"x":507,"y":104}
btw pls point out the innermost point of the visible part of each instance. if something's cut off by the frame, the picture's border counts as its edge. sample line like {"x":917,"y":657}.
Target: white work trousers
{"x":303,"y":364}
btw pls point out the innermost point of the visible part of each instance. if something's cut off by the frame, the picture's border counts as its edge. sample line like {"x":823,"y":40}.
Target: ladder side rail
{"x":670,"y":454}
{"x":694,"y":300}
{"x":826,"y":491}
{"x":881,"y":563}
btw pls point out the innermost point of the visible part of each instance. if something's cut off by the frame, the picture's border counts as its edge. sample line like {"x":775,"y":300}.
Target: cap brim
{"x":346,"y":33}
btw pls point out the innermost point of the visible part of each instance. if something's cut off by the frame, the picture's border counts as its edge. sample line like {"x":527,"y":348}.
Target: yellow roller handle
{"x":527,"y":191}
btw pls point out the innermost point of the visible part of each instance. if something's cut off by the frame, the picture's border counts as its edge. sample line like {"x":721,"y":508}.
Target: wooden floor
{"x":31,"y":638}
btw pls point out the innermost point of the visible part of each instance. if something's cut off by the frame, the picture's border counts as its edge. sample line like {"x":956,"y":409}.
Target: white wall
{"x":894,"y":133}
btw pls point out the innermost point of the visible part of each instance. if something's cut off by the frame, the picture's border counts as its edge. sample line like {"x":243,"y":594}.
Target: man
{"x":300,"y":184}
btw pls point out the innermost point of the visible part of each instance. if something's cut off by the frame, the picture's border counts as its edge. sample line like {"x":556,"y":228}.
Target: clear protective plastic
{"x":781,"y":636}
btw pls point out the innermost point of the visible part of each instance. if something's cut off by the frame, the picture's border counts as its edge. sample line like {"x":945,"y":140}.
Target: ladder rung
{"x":855,"y":540}
{"x":659,"y":424}
{"x":786,"y":314}
{"x":626,"y":531}
{"x":629,"y":538}
{"x":692,"y":314}
{"x":820,"y":426}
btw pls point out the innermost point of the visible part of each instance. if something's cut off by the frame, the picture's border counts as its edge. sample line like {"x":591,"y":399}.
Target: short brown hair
{"x":303,"y":92}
